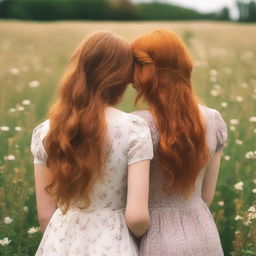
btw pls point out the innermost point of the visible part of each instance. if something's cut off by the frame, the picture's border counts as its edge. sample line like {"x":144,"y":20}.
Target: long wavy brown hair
{"x":162,"y":77}
{"x":96,"y":76}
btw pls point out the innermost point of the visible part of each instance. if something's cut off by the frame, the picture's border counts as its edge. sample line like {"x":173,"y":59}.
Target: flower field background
{"x":33,"y":57}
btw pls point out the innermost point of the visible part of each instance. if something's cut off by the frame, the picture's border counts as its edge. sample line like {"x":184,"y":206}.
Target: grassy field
{"x":33,"y":57}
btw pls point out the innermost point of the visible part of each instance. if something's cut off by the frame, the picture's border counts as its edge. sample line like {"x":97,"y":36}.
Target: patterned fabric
{"x":182,"y":227}
{"x":37,"y":147}
{"x":99,"y":230}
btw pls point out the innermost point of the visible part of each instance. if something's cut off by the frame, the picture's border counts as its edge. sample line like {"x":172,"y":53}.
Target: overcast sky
{"x":204,"y":5}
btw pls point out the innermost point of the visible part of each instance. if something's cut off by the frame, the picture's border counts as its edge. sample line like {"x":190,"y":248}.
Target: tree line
{"x":247,"y":11}
{"x":113,"y":10}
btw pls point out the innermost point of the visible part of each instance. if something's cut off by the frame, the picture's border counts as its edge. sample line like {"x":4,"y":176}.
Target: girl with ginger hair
{"x":187,"y":139}
{"x":85,"y":153}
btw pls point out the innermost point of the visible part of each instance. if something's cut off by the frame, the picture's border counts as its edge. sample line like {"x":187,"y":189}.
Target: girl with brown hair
{"x":85,"y":153}
{"x":187,"y":139}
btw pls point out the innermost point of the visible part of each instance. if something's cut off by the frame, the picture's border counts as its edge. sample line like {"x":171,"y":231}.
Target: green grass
{"x":225,"y":64}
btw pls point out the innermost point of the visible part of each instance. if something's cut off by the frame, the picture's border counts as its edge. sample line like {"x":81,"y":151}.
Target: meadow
{"x":32,"y":60}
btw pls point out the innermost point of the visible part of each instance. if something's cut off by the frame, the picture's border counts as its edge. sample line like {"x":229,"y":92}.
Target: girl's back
{"x":179,"y":226}
{"x":99,"y":229}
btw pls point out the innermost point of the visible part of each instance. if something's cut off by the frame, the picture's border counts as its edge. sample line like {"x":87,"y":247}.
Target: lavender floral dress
{"x":99,"y":230}
{"x":180,"y":227}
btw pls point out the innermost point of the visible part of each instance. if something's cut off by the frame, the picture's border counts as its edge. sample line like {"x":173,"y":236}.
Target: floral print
{"x":100,"y":229}
{"x":37,"y":147}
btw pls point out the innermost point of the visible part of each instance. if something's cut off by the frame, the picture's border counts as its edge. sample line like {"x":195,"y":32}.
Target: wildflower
{"x":20,"y":108}
{"x":250,"y":155}
{"x":254,"y":181}
{"x":18,"y":128}
{"x":8,"y":220}
{"x":239,"y":98}
{"x":252,"y":119}
{"x":227,"y":158}
{"x":239,"y":186}
{"x":254,"y":191}
{"x":33,"y":84}
{"x":4,"y":128}
{"x":30,"y":191}
{"x":10,"y":157}
{"x":234,"y":121}
{"x":4,"y":241}
{"x":232,"y":128}
{"x":221,"y":203}
{"x":224,"y":104}
{"x":239,"y":142}
{"x":252,"y":209}
{"x":14,"y":71}
{"x":33,"y":230}
{"x":26,"y":102}
{"x":251,"y":214}
{"x":246,"y":223}
{"x":11,"y":110}
{"x":238,"y":217}
{"x":25,"y":209}
{"x":213,"y":72}
{"x":214,"y":93}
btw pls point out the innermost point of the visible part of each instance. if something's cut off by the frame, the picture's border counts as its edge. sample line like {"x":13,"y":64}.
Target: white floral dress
{"x":99,"y":230}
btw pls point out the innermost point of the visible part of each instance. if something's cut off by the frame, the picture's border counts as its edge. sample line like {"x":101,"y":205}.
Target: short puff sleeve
{"x":37,"y":147}
{"x":140,"y":145}
{"x":221,"y":131}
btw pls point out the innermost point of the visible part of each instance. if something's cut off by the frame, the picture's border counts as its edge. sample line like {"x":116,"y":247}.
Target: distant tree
{"x":224,"y":14}
{"x":90,"y":9}
{"x":252,"y":11}
{"x":247,"y":10}
{"x":55,"y":9}
{"x":164,"y":11}
{"x":243,"y":10}
{"x":4,"y":8}
{"x":102,"y":10}
{"x":122,"y":10}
